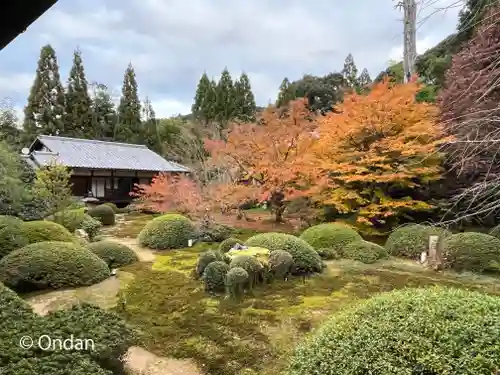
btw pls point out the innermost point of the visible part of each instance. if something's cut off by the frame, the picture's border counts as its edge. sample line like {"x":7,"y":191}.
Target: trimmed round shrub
{"x":91,"y":226}
{"x":249,"y":264}
{"x":410,"y":331}
{"x":113,"y":207}
{"x":114,"y":254}
{"x":236,"y":279}
{"x":411,"y":240}
{"x":328,"y":254}
{"x":103,"y":213}
{"x":12,"y":236}
{"x":205,"y":259}
{"x":43,"y":230}
{"x":471,"y":251}
{"x":364,"y":251}
{"x":214,"y":276}
{"x":111,"y":334}
{"x":58,"y":364}
{"x":280,"y":264}
{"x":69,"y":219}
{"x":330,"y":235}
{"x":228,"y":243}
{"x":170,"y":231}
{"x":305,"y":258}
{"x":214,"y":232}
{"x":53,"y":265}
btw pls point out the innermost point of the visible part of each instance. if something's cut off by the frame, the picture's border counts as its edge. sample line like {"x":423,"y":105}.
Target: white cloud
{"x":13,"y":83}
{"x":170,"y":107}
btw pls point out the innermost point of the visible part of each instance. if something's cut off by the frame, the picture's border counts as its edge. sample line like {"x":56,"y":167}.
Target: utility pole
{"x":409,"y":37}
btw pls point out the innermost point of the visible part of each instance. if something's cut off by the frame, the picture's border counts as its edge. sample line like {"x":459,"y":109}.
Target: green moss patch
{"x":179,"y":319}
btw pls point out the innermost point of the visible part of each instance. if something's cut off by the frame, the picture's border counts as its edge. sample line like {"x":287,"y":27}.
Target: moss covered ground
{"x":179,"y":319}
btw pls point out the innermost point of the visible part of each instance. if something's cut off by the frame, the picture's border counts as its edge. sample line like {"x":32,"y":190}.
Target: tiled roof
{"x":87,"y":153}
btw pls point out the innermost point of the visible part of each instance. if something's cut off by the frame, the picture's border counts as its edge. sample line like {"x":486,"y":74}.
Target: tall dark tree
{"x":150,"y":125}
{"x":225,"y":100}
{"x":364,"y":78}
{"x":78,"y":119}
{"x":104,"y":116}
{"x":129,"y":110}
{"x":245,"y":106}
{"x":286,"y":93}
{"x":350,"y":72}
{"x":204,"y":100}
{"x":44,"y":113}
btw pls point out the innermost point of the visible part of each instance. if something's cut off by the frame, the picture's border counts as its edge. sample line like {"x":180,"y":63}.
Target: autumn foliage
{"x":170,"y":193}
{"x":375,"y":151}
{"x":268,"y":156}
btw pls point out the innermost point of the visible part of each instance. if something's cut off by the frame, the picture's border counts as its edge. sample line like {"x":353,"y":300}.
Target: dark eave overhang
{"x":19,"y":15}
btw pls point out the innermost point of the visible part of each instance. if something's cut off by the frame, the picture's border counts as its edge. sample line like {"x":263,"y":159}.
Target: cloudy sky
{"x":171,"y":43}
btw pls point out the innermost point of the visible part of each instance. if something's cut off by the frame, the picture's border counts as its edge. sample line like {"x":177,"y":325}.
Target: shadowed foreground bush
{"x":412,"y":331}
{"x":170,"y":231}
{"x":305,"y":258}
{"x":51,"y":265}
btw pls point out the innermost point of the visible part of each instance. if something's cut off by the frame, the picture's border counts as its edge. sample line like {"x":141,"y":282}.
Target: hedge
{"x":113,"y":253}
{"x":42,"y":230}
{"x":330,"y":235}
{"x":471,"y":251}
{"x":103,"y":213}
{"x":305,"y":258}
{"x":51,"y":265}
{"x":112,"y":206}
{"x":12,"y":236}
{"x":170,"y":231}
{"x":411,"y":240}
{"x":364,"y":251}
{"x":228,"y":243}
{"x":410,"y":331}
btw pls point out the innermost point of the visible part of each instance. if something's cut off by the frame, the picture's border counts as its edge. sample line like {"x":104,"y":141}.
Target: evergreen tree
{"x":245,"y":106}
{"x":150,"y":122}
{"x":364,"y":78}
{"x":350,"y":72}
{"x":470,"y":17}
{"x":286,"y":93}
{"x":44,"y":113}
{"x":202,"y":108}
{"x":129,"y":110}
{"x":104,"y":116}
{"x":78,"y":119}
{"x":225,"y":100}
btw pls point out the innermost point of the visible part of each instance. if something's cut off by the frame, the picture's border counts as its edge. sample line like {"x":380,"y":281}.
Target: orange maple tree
{"x":374,"y":144}
{"x":170,"y":193}
{"x":268,"y":155}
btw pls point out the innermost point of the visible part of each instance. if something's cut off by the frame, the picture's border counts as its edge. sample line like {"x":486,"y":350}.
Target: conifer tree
{"x":245,"y":106}
{"x":350,"y":72}
{"x":150,"y":123}
{"x":44,"y":113}
{"x":225,"y":100}
{"x":286,"y":93}
{"x":78,"y":119}
{"x":129,"y":110}
{"x":364,"y":78}
{"x":104,"y":116}
{"x":203,"y":103}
